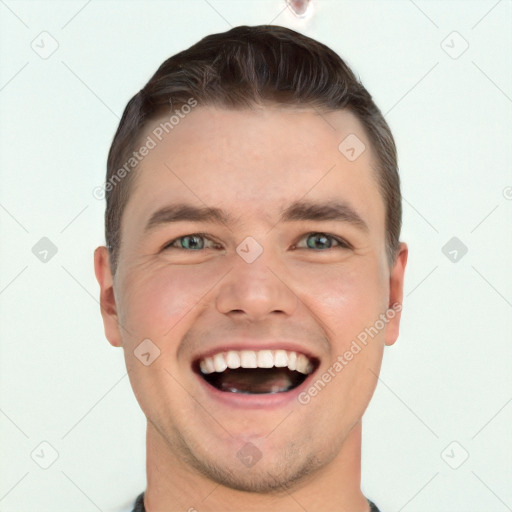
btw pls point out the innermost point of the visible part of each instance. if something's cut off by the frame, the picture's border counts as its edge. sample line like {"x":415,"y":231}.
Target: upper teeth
{"x":256,"y":359}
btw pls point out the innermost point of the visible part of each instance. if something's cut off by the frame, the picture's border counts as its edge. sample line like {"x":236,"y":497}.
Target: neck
{"x":174,"y":486}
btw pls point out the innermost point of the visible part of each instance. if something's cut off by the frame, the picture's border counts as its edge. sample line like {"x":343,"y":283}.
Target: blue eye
{"x":194,"y":242}
{"x":321,"y":241}
{"x":198,"y":242}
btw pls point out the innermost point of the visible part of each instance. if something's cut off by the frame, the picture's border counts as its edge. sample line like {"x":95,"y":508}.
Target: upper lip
{"x":248,"y":344}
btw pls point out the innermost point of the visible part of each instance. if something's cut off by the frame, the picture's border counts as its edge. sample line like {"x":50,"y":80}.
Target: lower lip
{"x":256,"y":401}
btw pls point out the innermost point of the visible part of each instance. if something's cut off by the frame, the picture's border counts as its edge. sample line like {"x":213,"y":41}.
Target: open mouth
{"x":256,"y":371}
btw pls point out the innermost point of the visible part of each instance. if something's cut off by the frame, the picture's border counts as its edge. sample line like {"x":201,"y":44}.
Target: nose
{"x":253,"y":291}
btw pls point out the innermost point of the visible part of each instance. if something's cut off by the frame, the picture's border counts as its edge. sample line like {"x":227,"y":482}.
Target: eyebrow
{"x":298,"y":211}
{"x":331,"y":210}
{"x":186,"y":212}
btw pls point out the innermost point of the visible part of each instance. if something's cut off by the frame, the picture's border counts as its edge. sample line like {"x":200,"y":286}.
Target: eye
{"x":192,"y":242}
{"x":322,"y":241}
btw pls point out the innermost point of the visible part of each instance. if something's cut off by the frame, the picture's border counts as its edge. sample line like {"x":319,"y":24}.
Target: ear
{"x":396,"y":294}
{"x":107,"y":299}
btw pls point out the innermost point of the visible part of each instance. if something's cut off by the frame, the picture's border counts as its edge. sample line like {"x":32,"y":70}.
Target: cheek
{"x":347,"y":296}
{"x":157,"y":300}
{"x":345,"y":301}
{"x":156,"y":305}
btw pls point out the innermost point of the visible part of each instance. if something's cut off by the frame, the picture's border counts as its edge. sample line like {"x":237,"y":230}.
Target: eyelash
{"x":342,"y":243}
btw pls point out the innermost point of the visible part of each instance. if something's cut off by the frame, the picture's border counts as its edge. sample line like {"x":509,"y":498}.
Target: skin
{"x":253,"y":163}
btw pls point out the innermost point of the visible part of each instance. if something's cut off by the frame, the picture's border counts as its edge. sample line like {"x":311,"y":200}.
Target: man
{"x":253,"y":272}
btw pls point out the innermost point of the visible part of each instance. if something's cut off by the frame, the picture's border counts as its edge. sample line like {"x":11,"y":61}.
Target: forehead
{"x":254,"y":163}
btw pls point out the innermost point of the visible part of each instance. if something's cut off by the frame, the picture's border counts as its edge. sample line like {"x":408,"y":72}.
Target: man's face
{"x":255,"y":282}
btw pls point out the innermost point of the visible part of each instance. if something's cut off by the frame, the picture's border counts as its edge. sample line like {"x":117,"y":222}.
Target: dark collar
{"x":139,"y":505}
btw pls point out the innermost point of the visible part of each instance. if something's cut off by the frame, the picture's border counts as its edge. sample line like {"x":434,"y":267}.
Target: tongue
{"x":256,"y":380}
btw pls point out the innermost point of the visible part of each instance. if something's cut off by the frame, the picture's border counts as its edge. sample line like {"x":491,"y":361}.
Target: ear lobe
{"x":396,"y":295}
{"x":108,"y":304}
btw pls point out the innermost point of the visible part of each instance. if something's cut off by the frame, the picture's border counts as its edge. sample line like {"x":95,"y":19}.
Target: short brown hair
{"x":242,"y":68}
